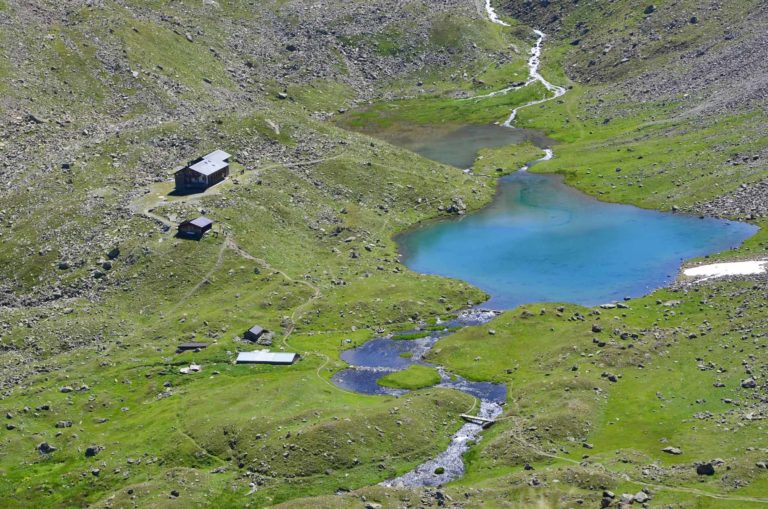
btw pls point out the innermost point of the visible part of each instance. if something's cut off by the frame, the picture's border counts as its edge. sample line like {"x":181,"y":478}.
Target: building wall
{"x":188,"y":179}
{"x":217,"y":177}
{"x":190,"y":229}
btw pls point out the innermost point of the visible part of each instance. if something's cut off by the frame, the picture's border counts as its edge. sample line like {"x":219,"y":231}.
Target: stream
{"x":538,"y":241}
{"x":383,"y":355}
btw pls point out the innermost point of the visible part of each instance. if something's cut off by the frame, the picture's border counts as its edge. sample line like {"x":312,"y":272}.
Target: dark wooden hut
{"x":195,"y":228}
{"x":254,"y":333}
{"x":183,"y":347}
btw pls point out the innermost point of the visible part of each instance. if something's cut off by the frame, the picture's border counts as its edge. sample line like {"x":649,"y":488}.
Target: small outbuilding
{"x":254,"y":333}
{"x":195,"y":228}
{"x":267,"y":357}
{"x":184,"y":347}
{"x":203,"y":172}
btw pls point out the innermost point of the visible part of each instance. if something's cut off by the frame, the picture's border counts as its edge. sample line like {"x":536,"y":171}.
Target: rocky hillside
{"x":710,"y":55}
{"x":673,"y":77}
{"x":104,"y":98}
{"x":100,"y":100}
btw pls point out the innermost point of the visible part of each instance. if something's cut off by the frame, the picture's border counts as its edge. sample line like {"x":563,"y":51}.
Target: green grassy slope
{"x":589,"y":411}
{"x":304,"y":247}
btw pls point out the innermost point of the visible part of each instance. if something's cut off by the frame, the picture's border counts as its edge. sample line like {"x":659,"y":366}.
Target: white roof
{"x":266,"y":357}
{"x":201,"y":222}
{"x":217,"y":155}
{"x":207,"y":167}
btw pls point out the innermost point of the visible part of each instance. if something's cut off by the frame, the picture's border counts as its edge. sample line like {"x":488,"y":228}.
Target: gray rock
{"x":45,"y":448}
{"x":641,"y":497}
{"x":749,"y":383}
{"x":92,"y":451}
{"x":673,"y":450}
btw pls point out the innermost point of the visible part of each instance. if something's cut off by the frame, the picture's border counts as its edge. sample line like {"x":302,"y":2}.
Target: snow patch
{"x":728,"y":269}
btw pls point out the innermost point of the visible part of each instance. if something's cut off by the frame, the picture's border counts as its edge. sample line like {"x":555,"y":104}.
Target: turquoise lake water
{"x":543,"y":241}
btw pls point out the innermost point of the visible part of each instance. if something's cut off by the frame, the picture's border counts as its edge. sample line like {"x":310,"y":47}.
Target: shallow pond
{"x":379,"y":356}
{"x":458,"y":145}
{"x":543,"y":241}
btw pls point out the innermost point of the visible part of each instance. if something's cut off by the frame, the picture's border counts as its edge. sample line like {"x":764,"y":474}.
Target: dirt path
{"x":145,"y":208}
{"x":206,"y":278}
{"x":316,"y":293}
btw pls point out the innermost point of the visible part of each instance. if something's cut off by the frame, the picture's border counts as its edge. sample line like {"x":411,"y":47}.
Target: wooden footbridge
{"x":482,"y":421}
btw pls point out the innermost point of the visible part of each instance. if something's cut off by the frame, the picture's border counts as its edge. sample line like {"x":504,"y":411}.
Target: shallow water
{"x":542,"y":241}
{"x":379,"y":356}
{"x":459,"y":145}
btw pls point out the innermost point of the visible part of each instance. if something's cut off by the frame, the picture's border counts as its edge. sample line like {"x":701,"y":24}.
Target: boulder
{"x":749,"y":383}
{"x":92,"y":451}
{"x":45,"y":448}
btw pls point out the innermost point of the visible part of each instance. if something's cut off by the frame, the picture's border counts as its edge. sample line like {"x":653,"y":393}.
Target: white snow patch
{"x":728,"y":269}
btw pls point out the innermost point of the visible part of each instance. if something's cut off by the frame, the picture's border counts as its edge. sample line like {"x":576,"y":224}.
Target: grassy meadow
{"x":303,"y":246}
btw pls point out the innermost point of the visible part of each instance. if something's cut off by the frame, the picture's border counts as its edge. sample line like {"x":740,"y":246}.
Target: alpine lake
{"x":543,"y":241}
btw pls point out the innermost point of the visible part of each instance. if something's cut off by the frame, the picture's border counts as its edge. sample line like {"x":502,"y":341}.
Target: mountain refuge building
{"x":203,"y":172}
